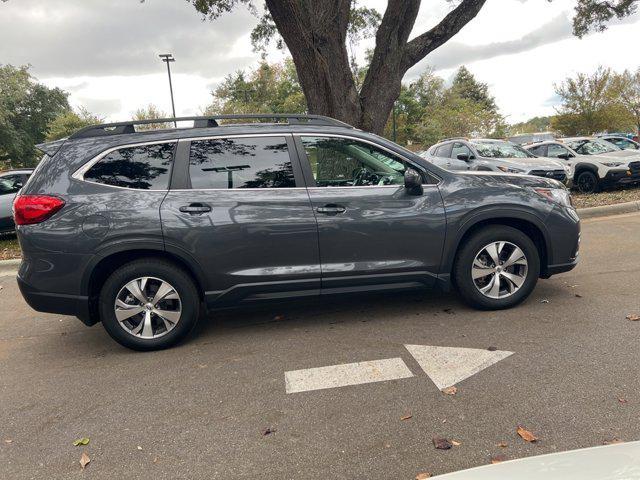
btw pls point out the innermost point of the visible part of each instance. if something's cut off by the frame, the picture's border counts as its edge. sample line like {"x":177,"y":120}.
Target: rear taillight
{"x":30,"y":209}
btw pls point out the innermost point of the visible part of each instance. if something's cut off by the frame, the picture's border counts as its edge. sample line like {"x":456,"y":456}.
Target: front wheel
{"x":149,"y":304}
{"x":587,"y":182}
{"x":497,"y":267}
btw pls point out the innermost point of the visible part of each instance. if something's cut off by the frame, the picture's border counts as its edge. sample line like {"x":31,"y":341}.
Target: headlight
{"x":510,"y":169}
{"x":612,"y":164}
{"x":556,"y":195}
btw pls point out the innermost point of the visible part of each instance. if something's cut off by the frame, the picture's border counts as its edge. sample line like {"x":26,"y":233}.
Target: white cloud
{"x":105,"y":53}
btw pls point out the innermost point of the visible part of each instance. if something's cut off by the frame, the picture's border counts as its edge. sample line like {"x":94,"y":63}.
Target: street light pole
{"x":167,"y":58}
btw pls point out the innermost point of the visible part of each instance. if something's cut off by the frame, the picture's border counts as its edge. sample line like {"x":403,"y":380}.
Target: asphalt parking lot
{"x":205,"y":408}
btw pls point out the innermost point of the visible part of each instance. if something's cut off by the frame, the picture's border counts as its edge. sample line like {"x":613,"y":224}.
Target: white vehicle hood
{"x":620,"y":154}
{"x":535,"y":163}
{"x":611,"y":462}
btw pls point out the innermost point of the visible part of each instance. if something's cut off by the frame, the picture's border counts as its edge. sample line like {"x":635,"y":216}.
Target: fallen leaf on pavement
{"x":492,"y":349}
{"x":423,"y":476}
{"x":498,"y":459}
{"x":8,"y":440}
{"x":442,"y":443}
{"x":450,"y":390}
{"x":406,"y":417}
{"x":455,"y":444}
{"x":268,"y":431}
{"x":526,"y":435}
{"x":622,"y":400}
{"x":578,"y":295}
{"x":613,"y":441}
{"x":633,"y":317}
{"x":81,"y":441}
{"x":84,"y":460}
{"x":139,"y":447}
{"x":502,"y":445}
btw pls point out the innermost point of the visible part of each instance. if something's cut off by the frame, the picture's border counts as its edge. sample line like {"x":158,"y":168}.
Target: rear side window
{"x":227,"y":163}
{"x":443,"y":150}
{"x":145,"y":167}
{"x":540,"y":151}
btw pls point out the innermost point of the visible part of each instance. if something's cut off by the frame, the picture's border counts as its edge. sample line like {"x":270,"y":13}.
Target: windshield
{"x":592,"y":147}
{"x":501,"y":150}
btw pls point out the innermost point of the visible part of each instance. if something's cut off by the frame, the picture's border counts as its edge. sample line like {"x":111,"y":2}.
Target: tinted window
{"x":556,"y":150}
{"x":441,"y":151}
{"x":460,"y":149}
{"x":259,"y":162}
{"x":10,"y":184}
{"x":623,"y":143}
{"x":343,"y":162}
{"x":146,"y":167}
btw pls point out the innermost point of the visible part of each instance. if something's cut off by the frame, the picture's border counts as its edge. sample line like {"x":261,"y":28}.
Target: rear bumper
{"x":76,"y":305}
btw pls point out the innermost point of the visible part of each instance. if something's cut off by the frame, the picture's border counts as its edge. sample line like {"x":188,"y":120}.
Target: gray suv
{"x":144,"y":231}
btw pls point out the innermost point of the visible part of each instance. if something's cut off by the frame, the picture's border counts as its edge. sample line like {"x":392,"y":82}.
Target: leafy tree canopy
{"x":26,"y":109}
{"x":69,"y":122}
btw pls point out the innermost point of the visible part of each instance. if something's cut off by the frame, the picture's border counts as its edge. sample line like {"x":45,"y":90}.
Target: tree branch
{"x":422,"y":45}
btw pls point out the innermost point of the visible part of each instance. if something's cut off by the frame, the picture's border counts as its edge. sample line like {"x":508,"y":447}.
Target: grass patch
{"x":9,"y":247}
{"x":585,"y":200}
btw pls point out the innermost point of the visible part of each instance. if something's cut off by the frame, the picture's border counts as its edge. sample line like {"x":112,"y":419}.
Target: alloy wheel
{"x":148,"y":307}
{"x":499,"y":269}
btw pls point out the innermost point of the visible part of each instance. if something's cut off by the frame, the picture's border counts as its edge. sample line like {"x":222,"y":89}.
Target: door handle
{"x":331,"y":209}
{"x":195,"y":208}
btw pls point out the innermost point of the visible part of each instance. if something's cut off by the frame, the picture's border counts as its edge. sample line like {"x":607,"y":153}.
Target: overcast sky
{"x":105,"y":52}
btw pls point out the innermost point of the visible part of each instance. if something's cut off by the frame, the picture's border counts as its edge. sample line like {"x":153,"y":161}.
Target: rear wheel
{"x":587,"y":182}
{"x":149,"y":304}
{"x":497,"y":267}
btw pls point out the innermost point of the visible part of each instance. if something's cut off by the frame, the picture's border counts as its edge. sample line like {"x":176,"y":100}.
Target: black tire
{"x":467,"y":253}
{"x":587,"y":182}
{"x":159,"y":269}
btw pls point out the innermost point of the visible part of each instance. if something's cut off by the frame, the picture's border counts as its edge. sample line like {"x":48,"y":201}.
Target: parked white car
{"x":611,"y":462}
{"x":11,"y":182}
{"x":591,"y":172}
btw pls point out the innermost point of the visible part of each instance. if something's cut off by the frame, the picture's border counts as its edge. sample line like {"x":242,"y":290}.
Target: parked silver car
{"x":493,"y":155}
{"x":11,"y":182}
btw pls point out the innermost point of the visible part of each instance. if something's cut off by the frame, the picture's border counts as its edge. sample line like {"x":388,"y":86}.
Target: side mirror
{"x":565,"y":156}
{"x":463,"y":156}
{"x":413,"y":182}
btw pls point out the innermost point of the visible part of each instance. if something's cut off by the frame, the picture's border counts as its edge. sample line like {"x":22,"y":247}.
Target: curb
{"x":606,"y":210}
{"x":583,"y":213}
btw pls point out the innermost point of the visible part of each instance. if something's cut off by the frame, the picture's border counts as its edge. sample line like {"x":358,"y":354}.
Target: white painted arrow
{"x":447,"y":366}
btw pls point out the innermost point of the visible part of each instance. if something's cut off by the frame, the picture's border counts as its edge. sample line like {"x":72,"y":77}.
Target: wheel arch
{"x":527,"y":223}
{"x":108,"y":261}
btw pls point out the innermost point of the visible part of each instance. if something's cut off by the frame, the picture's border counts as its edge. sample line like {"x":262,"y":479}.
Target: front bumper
{"x":76,"y":305}
{"x":621,"y":176}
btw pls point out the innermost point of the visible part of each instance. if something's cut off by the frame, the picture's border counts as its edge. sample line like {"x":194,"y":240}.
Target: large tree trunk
{"x":315,"y":32}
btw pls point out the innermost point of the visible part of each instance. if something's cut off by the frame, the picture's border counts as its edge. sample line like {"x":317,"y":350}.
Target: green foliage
{"x":268,"y":89}
{"x":69,"y":122}
{"x":428,"y":111}
{"x":627,"y":84}
{"x":533,"y":125}
{"x":591,"y":103}
{"x":26,"y":110}
{"x":595,"y":14}
{"x":151,"y":112}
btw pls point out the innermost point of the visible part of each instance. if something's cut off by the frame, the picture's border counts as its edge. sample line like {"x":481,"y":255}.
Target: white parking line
{"x":447,"y":366}
{"x":345,"y":374}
